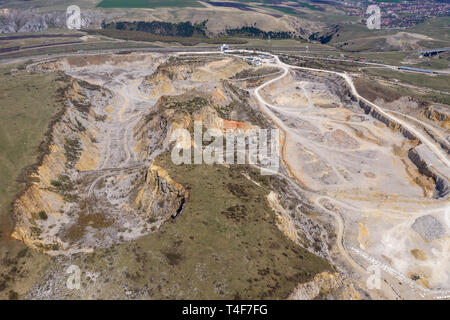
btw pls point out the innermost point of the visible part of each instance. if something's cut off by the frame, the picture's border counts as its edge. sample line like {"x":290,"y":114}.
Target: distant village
{"x":400,"y":15}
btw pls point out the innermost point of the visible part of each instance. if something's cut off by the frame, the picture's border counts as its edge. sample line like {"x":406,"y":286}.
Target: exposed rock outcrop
{"x":13,"y":20}
{"x":442,"y":184}
{"x":93,"y":187}
{"x":161,"y":197}
{"x":429,"y":228}
{"x":388,"y":122}
{"x":51,"y":189}
{"x":438,"y":114}
{"x":326,"y":286}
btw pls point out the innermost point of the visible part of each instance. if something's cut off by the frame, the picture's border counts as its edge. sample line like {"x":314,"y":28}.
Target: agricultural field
{"x":436,"y":82}
{"x":149,"y":4}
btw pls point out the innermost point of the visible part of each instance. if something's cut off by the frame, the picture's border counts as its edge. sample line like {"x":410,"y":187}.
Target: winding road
{"x":437,"y":151}
{"x":127,"y":92}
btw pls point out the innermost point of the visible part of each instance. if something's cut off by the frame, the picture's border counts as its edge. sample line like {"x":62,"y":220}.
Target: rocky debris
{"x":423,"y":164}
{"x":388,"y":122}
{"x":335,"y":85}
{"x":341,"y":139}
{"x":94,"y":187}
{"x":429,"y":228}
{"x":443,"y":143}
{"x":161,"y":198}
{"x":52,"y":190}
{"x":439,"y":114}
{"x":217,"y":104}
{"x":416,"y":155}
{"x":326,"y":286}
{"x":284,"y":222}
{"x":294,"y":214}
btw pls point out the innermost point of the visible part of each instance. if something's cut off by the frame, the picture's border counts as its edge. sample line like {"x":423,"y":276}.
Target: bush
{"x":56,"y":183}
{"x":72,"y":148}
{"x":13,"y":295}
{"x":42,"y":215}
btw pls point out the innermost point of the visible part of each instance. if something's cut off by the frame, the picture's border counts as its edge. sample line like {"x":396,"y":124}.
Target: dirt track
{"x":351,"y":166}
{"x":411,"y":289}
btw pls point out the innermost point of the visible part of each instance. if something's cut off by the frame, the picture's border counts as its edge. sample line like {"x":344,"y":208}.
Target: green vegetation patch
{"x":224,"y":244}
{"x":292,"y":11}
{"x":24,"y":121}
{"x":72,"y":150}
{"x":371,"y":90}
{"x":65,"y":187}
{"x":181,"y":29}
{"x":253,"y":32}
{"x":310,"y":6}
{"x":188,"y":106}
{"x":437,"y":82}
{"x":148,"y":37}
{"x":436,"y":28}
{"x":42,"y":215}
{"x":285,"y":10}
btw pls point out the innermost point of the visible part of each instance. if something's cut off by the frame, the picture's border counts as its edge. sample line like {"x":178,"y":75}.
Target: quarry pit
{"x":360,"y":190}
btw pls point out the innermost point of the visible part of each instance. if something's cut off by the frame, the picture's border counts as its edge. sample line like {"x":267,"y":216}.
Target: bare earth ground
{"x":348,"y":168}
{"x":361,"y":170}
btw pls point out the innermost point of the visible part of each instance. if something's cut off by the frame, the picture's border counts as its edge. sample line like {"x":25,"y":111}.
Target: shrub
{"x":56,"y":183}
{"x":13,"y":295}
{"x":43,"y":215}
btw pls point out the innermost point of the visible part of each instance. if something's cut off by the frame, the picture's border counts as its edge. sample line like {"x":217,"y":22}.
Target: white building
{"x":224,"y":47}
{"x":254,"y":61}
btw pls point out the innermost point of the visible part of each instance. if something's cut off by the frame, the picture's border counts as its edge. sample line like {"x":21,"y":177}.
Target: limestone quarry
{"x":356,"y":187}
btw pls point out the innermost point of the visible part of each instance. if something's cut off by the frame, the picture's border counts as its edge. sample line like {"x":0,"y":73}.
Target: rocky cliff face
{"x":96,"y":184}
{"x":427,"y":169}
{"x":14,"y":21}
{"x":156,"y":130}
{"x":439,"y":114}
{"x":161,"y":198}
{"x":388,"y":122}
{"x":52,"y":189}
{"x":326,"y":286}
{"x":214,"y":106}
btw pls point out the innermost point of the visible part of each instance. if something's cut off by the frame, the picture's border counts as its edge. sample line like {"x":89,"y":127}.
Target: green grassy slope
{"x":225,"y":244}
{"x":28,"y":102}
{"x":148,"y":3}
